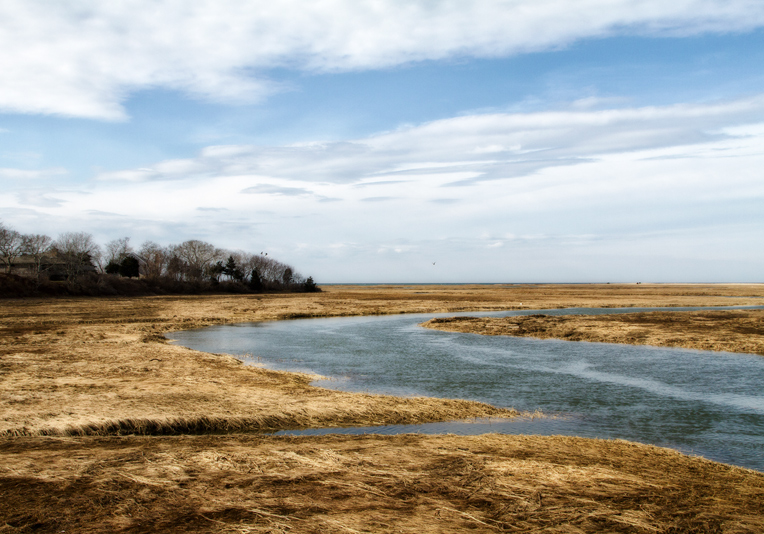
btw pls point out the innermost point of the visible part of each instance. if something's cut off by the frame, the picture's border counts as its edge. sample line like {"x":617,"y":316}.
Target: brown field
{"x":724,"y":330}
{"x":90,"y":389}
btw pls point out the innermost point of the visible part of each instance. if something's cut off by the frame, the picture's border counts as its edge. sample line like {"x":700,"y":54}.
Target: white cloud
{"x":84,"y":58}
{"x":24,"y":174}
{"x":452,"y":151}
{"x":36,"y":198}
{"x":678,"y":184}
{"x":137,"y":175}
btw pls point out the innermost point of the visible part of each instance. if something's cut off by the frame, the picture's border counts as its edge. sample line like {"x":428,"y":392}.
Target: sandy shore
{"x":78,"y":375}
{"x":730,"y":330}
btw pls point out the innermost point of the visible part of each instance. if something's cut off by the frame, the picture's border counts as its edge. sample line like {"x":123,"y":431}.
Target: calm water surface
{"x":705,"y":403}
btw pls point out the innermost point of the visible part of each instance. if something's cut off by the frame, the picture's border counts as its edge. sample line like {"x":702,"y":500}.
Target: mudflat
{"x":104,"y":426}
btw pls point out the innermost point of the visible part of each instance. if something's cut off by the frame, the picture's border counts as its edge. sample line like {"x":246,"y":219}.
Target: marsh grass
{"x":722,"y":330}
{"x":407,"y":483}
{"x":100,"y":365}
{"x":77,"y":375}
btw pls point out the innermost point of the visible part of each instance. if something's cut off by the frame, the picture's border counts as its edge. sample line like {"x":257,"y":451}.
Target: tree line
{"x":191,"y":266}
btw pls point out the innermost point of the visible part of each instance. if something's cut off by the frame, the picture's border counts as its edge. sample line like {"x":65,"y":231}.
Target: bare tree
{"x":118,"y":249}
{"x":37,"y":246}
{"x":117,"y":252}
{"x":78,"y":251}
{"x":245,"y":261}
{"x":11,"y":246}
{"x":268,"y":269}
{"x":155,"y":259}
{"x":198,"y":257}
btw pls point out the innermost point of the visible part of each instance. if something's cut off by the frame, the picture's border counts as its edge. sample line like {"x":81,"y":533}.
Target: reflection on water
{"x":705,"y":403}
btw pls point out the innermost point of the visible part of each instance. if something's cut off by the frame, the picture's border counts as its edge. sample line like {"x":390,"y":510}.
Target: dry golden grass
{"x":724,"y":330}
{"x":72,"y":367}
{"x":380,"y":484}
{"x":102,"y":366}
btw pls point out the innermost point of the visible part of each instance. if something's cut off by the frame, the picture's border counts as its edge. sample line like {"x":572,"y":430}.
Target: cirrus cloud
{"x":522,"y":144}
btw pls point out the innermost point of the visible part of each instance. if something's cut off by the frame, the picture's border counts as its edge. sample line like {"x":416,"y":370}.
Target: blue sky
{"x":361,"y":142}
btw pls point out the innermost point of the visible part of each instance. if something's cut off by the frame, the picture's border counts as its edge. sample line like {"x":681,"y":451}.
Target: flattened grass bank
{"x":408,"y":483}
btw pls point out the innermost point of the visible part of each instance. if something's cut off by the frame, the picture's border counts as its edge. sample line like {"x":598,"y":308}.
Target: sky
{"x":385,"y":141}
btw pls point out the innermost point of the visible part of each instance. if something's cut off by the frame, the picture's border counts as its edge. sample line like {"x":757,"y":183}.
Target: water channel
{"x":709,"y":404}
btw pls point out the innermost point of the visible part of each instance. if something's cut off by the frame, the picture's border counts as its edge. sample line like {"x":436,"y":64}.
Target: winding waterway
{"x":705,"y":403}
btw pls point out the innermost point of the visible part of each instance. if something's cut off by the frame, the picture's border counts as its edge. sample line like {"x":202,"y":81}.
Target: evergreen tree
{"x":310,"y":286}
{"x":230,"y":267}
{"x":130,"y":267}
{"x":215,"y":271}
{"x":287,"y":276}
{"x":255,"y":282}
{"x":112,"y":267}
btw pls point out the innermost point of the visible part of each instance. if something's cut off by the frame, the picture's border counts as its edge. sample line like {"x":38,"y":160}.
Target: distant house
{"x":141,"y":260}
{"x":50,"y":266}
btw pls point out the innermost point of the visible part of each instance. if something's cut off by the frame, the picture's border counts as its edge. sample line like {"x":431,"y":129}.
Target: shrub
{"x":310,"y":286}
{"x":112,"y":267}
{"x":130,"y":267}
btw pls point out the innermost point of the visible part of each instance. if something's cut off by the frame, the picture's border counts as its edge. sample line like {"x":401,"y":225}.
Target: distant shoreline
{"x":385,"y":284}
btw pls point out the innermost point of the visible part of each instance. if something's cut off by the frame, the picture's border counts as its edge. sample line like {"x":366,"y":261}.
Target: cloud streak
{"x":560,"y":195}
{"x":451,"y":150}
{"x":84,"y":59}
{"x":26,"y":174}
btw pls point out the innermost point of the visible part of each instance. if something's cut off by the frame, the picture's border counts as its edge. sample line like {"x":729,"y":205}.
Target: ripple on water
{"x":699,"y":402}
